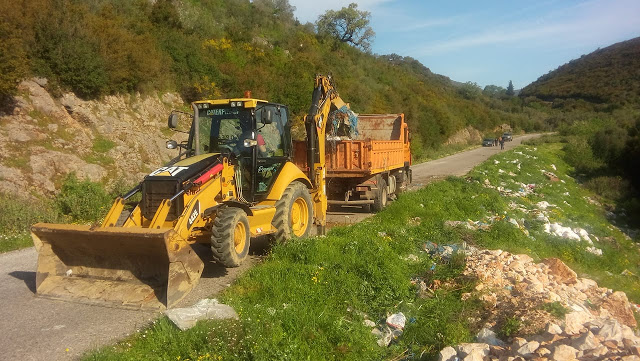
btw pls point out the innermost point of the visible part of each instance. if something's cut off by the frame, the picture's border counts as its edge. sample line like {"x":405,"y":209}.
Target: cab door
{"x":273,"y":149}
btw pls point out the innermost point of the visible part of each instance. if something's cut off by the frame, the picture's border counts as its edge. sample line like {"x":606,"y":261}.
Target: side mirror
{"x":173,"y":121}
{"x":266,"y":117}
{"x":172,"y":144}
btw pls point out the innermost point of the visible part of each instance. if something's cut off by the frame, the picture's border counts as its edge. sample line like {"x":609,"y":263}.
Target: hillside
{"x":222,"y":48}
{"x":606,"y":76}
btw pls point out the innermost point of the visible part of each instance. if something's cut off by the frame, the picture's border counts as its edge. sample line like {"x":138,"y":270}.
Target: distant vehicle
{"x":507,"y":137}
{"x":488,"y":142}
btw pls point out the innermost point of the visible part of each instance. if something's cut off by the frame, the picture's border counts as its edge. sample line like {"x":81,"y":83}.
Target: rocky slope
{"x":596,"y":325}
{"x":119,"y":138}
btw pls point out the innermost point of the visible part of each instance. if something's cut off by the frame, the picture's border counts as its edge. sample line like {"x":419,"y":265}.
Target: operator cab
{"x":251,"y":132}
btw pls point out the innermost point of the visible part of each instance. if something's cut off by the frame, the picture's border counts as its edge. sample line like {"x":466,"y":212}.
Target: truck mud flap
{"x":136,"y":268}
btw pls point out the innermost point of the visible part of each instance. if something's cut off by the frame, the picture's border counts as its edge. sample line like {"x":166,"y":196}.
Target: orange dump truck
{"x":369,"y":169}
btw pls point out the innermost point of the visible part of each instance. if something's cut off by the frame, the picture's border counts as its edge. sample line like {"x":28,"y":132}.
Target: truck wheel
{"x":400,"y":182}
{"x":294,"y":213}
{"x":230,"y":237}
{"x":381,"y":197}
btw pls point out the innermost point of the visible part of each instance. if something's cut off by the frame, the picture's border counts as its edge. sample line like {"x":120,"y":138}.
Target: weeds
{"x":556,"y":309}
{"x":83,"y":201}
{"x":510,"y":327}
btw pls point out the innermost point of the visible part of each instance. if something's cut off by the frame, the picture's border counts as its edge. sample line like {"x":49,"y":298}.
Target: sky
{"x":491,"y":42}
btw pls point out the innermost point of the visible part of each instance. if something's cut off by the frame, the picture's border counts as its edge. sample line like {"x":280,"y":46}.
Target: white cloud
{"x":308,"y":11}
{"x":597,"y":22}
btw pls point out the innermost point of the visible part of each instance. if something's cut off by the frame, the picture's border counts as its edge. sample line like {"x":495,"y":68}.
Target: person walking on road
{"x":501,"y":140}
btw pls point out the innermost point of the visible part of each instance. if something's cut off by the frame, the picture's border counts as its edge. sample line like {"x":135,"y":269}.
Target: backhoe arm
{"x":324,"y":99}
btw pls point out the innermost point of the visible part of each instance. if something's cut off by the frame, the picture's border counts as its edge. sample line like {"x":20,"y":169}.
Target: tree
{"x":280,"y":9}
{"x":13,"y":62}
{"x":510,"y":91}
{"x":347,"y":25}
{"x":494,"y":91}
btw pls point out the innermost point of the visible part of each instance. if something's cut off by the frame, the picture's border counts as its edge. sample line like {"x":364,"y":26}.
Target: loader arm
{"x":324,"y":99}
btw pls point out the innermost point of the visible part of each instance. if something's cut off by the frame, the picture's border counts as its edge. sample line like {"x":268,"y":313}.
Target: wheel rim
{"x":299,"y":217}
{"x":239,"y":237}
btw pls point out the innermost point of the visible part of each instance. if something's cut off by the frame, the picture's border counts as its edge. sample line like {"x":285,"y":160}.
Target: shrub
{"x":578,"y":153}
{"x":82,"y":200}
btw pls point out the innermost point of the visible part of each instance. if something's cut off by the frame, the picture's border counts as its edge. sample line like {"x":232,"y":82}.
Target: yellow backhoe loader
{"x":233,"y":180}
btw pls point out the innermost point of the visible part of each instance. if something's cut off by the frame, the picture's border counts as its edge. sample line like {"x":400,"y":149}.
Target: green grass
{"x":556,"y":309}
{"x":11,"y":242}
{"x":17,"y":216}
{"x":102,"y":144}
{"x":308,"y":299}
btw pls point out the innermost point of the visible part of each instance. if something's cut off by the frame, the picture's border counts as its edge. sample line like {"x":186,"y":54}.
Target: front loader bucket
{"x":123,"y":267}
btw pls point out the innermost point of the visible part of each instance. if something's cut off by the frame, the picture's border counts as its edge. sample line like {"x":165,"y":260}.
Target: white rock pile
{"x":597,"y":326}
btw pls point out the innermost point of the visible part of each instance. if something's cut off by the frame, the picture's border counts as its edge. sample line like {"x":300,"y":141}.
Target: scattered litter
{"x":554,"y":167}
{"x":552,"y":177}
{"x":397,"y":320}
{"x":207,"y":309}
{"x":496,"y":162}
{"x":385,"y":335}
{"x":412,"y":258}
{"x":369,"y":323}
{"x":626,"y":272}
{"x":544,"y":205}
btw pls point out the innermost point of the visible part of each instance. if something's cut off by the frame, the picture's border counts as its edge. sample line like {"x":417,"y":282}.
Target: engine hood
{"x":187,"y":168}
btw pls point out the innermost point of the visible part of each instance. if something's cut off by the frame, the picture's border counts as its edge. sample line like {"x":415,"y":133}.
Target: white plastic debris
{"x":207,"y":309}
{"x":560,"y":231}
{"x":544,"y":205}
{"x":397,"y":320}
{"x":554,"y":167}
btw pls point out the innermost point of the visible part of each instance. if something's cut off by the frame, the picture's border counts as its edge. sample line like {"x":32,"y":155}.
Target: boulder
{"x":467,"y":349}
{"x":448,"y":354}
{"x":528,"y":349}
{"x":563,"y":353}
{"x":610,"y":331}
{"x":561,"y":271}
{"x":574,"y":322}
{"x":619,"y":307}
{"x":489,"y":337}
{"x":586,"y":341}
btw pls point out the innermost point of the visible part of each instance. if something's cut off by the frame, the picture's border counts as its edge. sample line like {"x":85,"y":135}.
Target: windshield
{"x":224,"y":129}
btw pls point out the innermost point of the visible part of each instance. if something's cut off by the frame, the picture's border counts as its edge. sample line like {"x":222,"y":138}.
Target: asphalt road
{"x":41,"y":329}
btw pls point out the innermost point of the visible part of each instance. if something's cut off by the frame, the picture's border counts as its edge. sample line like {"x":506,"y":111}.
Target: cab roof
{"x":248,"y":102}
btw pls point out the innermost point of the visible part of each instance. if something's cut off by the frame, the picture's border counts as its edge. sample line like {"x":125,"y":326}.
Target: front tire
{"x":294,"y":213}
{"x":230,"y":238}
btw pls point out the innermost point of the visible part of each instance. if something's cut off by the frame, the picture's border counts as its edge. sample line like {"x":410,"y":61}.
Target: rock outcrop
{"x":43,"y":138}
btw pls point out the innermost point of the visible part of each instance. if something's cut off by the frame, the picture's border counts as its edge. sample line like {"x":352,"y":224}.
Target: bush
{"x":578,"y":153}
{"x":83,"y":201}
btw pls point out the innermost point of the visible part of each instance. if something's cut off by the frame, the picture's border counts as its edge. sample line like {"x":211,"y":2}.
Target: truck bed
{"x":382,"y":145}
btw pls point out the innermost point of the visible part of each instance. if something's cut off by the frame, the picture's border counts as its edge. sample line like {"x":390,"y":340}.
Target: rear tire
{"x":230,"y":238}
{"x":294,"y":213}
{"x":381,"y":196}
